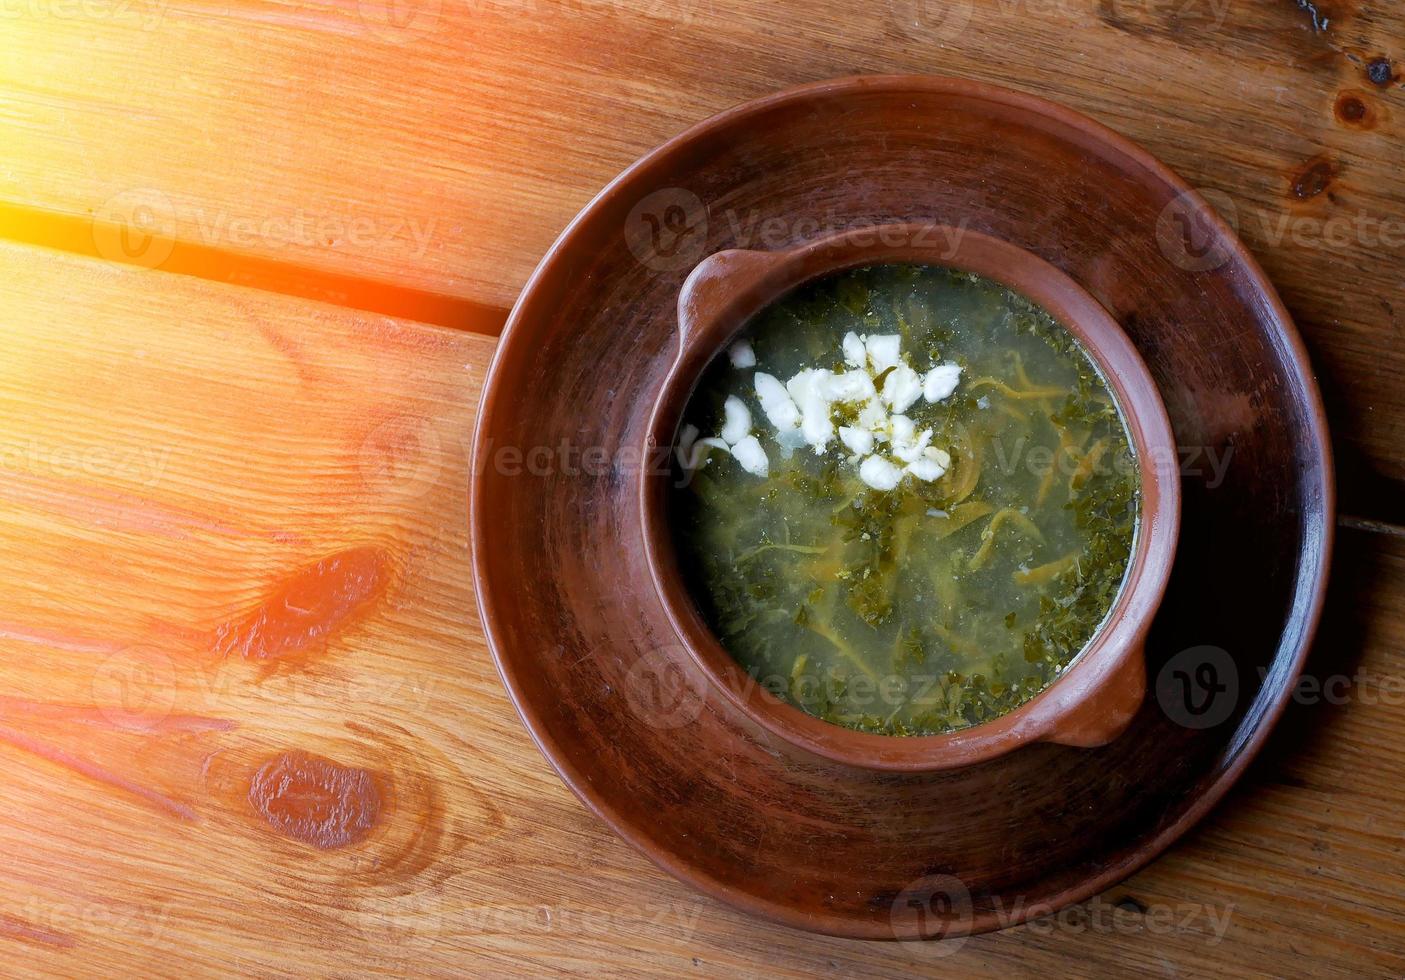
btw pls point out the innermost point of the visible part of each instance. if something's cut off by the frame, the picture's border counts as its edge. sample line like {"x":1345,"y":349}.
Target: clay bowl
{"x":592,"y":661}
{"x":1097,"y":695}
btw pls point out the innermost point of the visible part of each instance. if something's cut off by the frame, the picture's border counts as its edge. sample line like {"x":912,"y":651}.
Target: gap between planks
{"x":81,"y":235}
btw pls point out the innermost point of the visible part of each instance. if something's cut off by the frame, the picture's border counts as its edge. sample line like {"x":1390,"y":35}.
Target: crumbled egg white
{"x":738,"y":421}
{"x":940,"y":382}
{"x":928,"y":467}
{"x":884,"y":351}
{"x":855,"y":350}
{"x":735,"y":438}
{"x":686,"y":437}
{"x":801,"y":411}
{"x":858,"y":441}
{"x":902,"y":429}
{"x":902,"y":387}
{"x":880,"y":474}
{"x":851,"y":386}
{"x":741,"y":354}
{"x":697,"y":454}
{"x":751,"y":456}
{"x":775,"y":402}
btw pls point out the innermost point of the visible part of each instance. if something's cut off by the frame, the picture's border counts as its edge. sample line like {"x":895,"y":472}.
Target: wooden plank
{"x":175,"y":453}
{"x":447,"y":154}
{"x":437,"y":147}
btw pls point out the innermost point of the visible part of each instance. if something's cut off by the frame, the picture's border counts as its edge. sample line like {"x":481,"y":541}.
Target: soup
{"x":905,"y":499}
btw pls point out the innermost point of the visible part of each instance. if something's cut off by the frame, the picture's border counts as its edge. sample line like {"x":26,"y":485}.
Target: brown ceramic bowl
{"x":583,"y":643}
{"x":1096,"y":696}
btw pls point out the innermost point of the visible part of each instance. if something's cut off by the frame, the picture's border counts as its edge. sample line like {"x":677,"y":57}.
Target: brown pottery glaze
{"x":1096,"y":697}
{"x":588,"y":652}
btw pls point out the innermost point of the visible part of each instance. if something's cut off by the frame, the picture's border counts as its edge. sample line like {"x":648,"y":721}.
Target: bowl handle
{"x":722,"y":282}
{"x":1105,"y":712}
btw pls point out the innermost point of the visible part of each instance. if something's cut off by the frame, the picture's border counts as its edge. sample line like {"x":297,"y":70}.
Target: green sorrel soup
{"x":906,"y":499}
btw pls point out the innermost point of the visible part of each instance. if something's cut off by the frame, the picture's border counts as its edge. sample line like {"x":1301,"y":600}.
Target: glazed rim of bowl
{"x":1095,"y":696}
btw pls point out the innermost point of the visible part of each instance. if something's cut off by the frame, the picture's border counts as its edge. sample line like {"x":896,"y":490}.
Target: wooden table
{"x":254,"y":255}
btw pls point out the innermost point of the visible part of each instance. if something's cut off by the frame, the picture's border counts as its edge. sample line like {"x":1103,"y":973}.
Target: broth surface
{"x":940,"y":603}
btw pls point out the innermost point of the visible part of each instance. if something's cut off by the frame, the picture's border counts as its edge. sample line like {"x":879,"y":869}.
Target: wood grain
{"x":173,"y":451}
{"x":482,"y":860}
{"x":442,"y":148}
